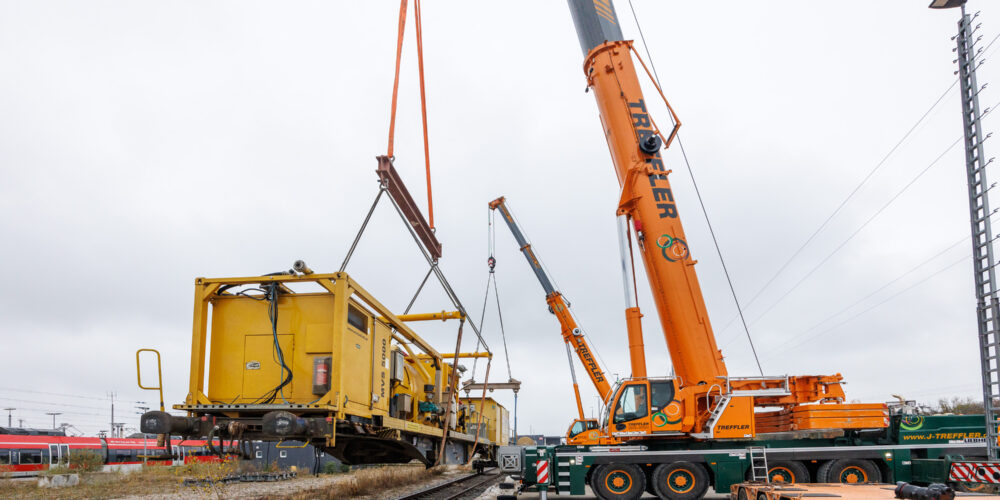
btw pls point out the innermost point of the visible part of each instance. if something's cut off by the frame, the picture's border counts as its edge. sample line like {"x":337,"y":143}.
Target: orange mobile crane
{"x":701,"y":400}
{"x":571,"y":333}
{"x":675,"y":436}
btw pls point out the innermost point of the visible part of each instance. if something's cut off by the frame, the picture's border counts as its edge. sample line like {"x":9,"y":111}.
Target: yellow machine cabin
{"x":315,"y":358}
{"x":487,"y":418}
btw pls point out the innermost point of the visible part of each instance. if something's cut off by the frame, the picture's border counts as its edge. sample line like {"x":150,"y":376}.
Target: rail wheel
{"x":680,"y":481}
{"x":849,"y":470}
{"x":619,"y":482}
{"x":786,"y":472}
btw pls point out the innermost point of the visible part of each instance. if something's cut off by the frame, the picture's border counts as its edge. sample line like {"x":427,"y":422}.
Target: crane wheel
{"x":742,"y":494}
{"x":785,"y":472}
{"x":619,"y":482}
{"x":850,"y":471}
{"x":680,"y":481}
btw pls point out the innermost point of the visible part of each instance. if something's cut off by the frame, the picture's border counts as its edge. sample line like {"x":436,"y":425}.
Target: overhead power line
{"x":850,"y":195}
{"x":887,"y":284}
{"x":802,"y":342}
{"x":857,"y":230}
{"x":49,"y":403}
{"x":858,"y":187}
{"x":845,"y":241}
{"x":105,"y":398}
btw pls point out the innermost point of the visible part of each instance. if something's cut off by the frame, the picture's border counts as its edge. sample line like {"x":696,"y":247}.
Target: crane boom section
{"x":646,"y":195}
{"x":522,"y":243}
{"x":571,"y":332}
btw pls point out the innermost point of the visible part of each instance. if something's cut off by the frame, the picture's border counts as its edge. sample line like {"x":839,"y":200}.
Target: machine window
{"x":577,"y":428}
{"x":631,"y":404}
{"x":4,"y":458}
{"x":663,"y":394}
{"x":31,"y":457}
{"x":283,"y":454}
{"x":357,"y":318}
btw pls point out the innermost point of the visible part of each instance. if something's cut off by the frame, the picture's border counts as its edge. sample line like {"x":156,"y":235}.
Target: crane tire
{"x":592,"y":480}
{"x":849,"y":470}
{"x":680,"y":480}
{"x":784,"y":472}
{"x":619,"y":482}
{"x":742,"y":494}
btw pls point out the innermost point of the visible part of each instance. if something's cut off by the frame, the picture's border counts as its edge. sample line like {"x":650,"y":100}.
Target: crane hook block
{"x":491,"y":262}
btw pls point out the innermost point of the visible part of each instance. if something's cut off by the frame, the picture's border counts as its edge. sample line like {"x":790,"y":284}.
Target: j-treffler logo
{"x":733,"y":427}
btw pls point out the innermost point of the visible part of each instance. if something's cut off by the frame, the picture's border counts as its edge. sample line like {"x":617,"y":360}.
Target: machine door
{"x":631,"y":414}
{"x":64,"y":453}
{"x":53,"y":455}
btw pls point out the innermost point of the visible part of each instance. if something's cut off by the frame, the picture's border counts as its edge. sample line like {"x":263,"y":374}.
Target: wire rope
{"x":701,"y":202}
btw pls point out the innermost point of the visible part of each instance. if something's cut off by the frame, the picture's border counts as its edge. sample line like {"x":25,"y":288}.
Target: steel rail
{"x":430,"y":492}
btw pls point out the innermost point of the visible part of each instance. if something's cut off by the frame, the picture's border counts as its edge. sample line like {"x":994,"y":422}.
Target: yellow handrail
{"x":159,"y":373}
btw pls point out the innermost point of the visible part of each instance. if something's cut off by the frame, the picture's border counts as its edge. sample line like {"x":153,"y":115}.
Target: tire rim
{"x":782,"y":475}
{"x":853,"y":475}
{"x":618,"y":482}
{"x":680,"y":481}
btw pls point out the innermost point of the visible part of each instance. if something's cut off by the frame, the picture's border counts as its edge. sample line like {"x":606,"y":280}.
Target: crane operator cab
{"x":644,"y":407}
{"x":583,"y":431}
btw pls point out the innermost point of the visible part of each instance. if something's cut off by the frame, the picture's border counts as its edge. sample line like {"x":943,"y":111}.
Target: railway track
{"x":458,"y":488}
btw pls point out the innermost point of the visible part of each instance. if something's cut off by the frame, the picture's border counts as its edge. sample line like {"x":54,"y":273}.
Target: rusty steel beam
{"x":397,"y":190}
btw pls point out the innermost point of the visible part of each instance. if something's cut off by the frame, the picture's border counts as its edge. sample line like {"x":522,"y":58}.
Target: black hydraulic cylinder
{"x":596,"y":22}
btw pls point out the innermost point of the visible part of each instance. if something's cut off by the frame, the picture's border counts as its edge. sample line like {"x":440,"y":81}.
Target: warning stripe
{"x":542,"y":471}
{"x":975,"y":472}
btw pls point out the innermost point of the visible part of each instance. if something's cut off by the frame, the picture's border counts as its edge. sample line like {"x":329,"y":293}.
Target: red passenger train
{"x":27,"y":455}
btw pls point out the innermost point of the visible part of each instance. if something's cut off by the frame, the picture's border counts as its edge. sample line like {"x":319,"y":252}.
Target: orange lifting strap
{"x":423,"y":95}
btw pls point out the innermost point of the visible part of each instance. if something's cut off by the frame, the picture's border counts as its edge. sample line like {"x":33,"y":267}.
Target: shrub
{"x":331,"y":468}
{"x":86,"y":460}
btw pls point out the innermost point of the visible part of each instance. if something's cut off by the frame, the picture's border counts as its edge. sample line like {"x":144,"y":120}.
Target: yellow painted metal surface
{"x":495,"y":424}
{"x":442,"y":316}
{"x":235,"y":357}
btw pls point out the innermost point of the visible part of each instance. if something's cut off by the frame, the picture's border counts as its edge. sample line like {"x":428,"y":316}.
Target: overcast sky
{"x":143,"y":144}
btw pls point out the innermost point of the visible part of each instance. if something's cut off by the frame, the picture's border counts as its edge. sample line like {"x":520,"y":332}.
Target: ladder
{"x":987,"y":306}
{"x":758,"y":464}
{"x":720,"y":406}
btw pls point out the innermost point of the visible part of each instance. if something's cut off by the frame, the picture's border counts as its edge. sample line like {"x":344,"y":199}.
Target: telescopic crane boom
{"x":571,"y":333}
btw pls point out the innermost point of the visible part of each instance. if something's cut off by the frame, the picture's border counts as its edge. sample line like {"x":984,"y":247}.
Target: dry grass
{"x":365,"y":482}
{"x":153,"y":479}
{"x":370,"y":483}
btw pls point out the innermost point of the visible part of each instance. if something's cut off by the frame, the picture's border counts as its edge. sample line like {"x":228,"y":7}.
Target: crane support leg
{"x":633,"y":318}
{"x":576,"y":387}
{"x":636,"y":349}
